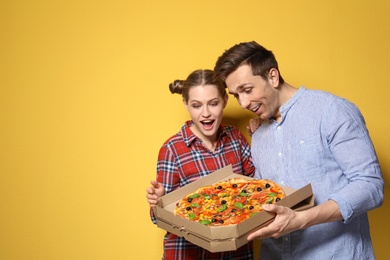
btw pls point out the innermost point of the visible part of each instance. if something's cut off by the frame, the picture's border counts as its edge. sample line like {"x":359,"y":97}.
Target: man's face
{"x":254,"y":93}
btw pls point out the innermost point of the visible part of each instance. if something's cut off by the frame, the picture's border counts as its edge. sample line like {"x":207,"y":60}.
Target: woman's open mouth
{"x":207,"y":124}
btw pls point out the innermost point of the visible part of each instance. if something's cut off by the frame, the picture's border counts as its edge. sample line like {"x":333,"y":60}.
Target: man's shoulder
{"x":318,"y":98}
{"x":325,"y":98}
{"x":318,"y":93}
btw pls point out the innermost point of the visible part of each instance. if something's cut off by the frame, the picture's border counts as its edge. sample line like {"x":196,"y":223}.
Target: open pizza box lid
{"x":222,"y":238}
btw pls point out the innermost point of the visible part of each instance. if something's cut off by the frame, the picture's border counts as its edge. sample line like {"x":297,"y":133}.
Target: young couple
{"x":306,"y":136}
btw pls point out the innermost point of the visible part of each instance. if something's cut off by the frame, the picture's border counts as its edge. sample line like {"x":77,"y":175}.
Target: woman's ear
{"x":273,"y":77}
{"x":185,"y":104}
{"x":225,"y":100}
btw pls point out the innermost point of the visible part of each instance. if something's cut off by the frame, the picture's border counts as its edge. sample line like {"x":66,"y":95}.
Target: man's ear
{"x":273,"y":77}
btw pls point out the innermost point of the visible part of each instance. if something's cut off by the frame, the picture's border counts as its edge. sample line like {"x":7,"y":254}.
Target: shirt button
{"x":286,"y":239}
{"x":279,"y":154}
{"x":278,"y":128}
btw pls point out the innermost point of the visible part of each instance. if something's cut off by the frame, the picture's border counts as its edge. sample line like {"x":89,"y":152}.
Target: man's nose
{"x":244,"y":103}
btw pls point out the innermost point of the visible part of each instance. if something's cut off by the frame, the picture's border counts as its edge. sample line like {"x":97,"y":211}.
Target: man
{"x":312,"y":137}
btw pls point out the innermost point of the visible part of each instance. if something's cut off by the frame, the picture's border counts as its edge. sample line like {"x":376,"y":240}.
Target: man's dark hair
{"x":253,"y":54}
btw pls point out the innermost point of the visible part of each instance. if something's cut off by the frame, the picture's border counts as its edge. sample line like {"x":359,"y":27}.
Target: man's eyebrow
{"x":239,"y":88}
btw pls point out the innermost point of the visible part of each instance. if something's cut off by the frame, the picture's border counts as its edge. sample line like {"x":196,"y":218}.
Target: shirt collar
{"x":290,"y":103}
{"x":189,"y":136}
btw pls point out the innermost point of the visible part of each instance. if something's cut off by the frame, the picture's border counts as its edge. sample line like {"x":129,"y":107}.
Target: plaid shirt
{"x":183,"y":159}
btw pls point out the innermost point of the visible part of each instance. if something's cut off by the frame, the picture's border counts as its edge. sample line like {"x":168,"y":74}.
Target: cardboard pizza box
{"x":222,"y":238}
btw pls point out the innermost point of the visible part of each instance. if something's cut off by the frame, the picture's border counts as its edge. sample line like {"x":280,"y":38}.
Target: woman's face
{"x":205,"y":106}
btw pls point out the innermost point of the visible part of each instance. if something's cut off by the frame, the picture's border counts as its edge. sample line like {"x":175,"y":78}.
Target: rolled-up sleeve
{"x":352,"y":148}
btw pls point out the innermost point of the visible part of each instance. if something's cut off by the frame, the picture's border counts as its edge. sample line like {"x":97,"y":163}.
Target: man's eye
{"x":248,"y":90}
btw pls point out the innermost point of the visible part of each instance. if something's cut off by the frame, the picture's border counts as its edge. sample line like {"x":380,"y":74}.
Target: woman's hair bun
{"x":176,"y":86}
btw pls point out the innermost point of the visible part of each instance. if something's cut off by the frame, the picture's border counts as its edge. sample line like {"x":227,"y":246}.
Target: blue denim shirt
{"x":323,"y":140}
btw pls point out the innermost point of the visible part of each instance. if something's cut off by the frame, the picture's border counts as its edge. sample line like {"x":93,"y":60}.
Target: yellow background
{"x":85,"y":106}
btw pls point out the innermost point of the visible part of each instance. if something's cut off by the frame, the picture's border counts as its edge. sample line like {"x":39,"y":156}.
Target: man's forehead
{"x":241,"y":72}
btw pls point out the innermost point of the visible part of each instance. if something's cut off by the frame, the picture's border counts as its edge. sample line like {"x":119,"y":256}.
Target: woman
{"x":201,"y":147}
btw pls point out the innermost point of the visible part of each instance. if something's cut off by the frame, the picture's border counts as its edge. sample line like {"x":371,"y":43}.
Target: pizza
{"x":228,"y":202}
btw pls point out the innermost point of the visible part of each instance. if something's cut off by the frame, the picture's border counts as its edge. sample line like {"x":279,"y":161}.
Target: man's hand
{"x":288,"y":220}
{"x":154,"y":192}
{"x":254,"y":123}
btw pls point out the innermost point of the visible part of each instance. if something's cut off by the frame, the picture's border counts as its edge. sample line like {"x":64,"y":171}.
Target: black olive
{"x":277,"y":199}
{"x":259,"y":189}
{"x":213,"y":220}
{"x":267,"y":185}
{"x":219,"y":187}
{"x":251,"y":207}
{"x":233,"y":210}
{"x":221,"y":221}
{"x":223,"y":202}
{"x":189,"y":199}
{"x":188,"y":208}
{"x":234,"y":185}
{"x":243,"y":191}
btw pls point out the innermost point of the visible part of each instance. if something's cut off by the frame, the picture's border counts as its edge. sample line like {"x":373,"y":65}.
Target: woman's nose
{"x":206,"y":112}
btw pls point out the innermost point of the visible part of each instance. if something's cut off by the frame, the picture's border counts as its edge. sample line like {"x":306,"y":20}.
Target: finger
{"x":157,"y":185}
{"x":259,"y":234}
{"x":267,"y":231}
{"x":249,"y":131}
{"x":253,"y":127}
{"x":271,"y":208}
{"x":152,"y":200}
{"x":253,"y":124}
{"x":253,"y":236}
{"x":150,"y":190}
{"x":154,"y":183}
{"x":152,"y":197}
{"x":152,"y":204}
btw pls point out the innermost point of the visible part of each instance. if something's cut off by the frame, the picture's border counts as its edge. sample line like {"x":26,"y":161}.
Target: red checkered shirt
{"x":183,"y":159}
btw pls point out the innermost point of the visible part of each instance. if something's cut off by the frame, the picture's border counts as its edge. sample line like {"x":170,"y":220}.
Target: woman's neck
{"x":210,"y":142}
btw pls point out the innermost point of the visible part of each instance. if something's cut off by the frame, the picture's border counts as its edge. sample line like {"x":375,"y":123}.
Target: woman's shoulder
{"x":173,"y":139}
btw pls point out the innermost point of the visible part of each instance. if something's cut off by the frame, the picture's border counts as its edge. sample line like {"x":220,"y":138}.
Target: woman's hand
{"x":254,"y":123}
{"x":154,"y":193}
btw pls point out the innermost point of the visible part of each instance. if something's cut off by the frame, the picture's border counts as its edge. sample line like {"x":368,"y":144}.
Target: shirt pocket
{"x":308,"y":158}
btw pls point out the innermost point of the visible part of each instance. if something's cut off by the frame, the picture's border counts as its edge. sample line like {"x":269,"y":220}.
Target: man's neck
{"x":286,"y":92}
